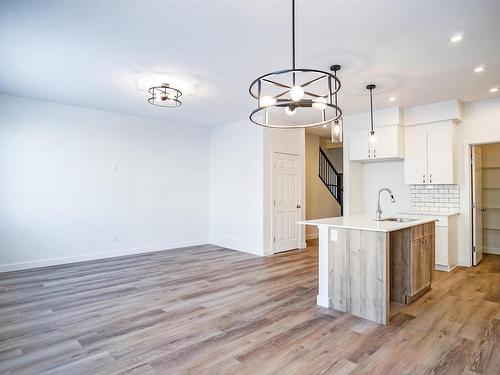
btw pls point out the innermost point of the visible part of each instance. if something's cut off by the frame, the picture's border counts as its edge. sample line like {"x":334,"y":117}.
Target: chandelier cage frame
{"x":326,"y":107}
{"x":165,"y":96}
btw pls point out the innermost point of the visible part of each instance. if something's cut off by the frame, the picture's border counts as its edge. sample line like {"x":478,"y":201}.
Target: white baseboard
{"x":323,"y":301}
{"x":491,"y":250}
{"x":441,"y":267}
{"x":97,"y":255}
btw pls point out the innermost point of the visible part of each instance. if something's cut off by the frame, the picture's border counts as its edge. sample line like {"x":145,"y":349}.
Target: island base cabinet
{"x":412,"y":262}
{"x":359,"y":273}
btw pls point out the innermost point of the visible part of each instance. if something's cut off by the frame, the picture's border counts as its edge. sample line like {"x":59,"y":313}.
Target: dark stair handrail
{"x":332,"y":179}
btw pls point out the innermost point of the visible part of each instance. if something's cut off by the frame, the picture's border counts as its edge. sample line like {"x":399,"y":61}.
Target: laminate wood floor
{"x":209,"y":310}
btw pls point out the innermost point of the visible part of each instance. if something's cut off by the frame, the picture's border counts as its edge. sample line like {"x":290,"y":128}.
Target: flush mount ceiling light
{"x":165,"y":96}
{"x":392,"y":99}
{"x":306,"y":94}
{"x":372,"y":131}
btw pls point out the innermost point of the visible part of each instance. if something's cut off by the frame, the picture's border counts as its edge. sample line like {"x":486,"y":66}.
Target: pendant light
{"x":372,"y":131}
{"x":295,"y":98}
{"x":337,"y":125}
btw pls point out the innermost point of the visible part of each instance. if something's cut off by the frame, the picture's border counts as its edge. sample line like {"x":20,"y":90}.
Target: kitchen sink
{"x":397,"y":219}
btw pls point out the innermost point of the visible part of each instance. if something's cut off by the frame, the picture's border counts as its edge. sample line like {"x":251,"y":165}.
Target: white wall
{"x":319,"y":201}
{"x":385,"y":174}
{"x":236,"y":187}
{"x":80,"y":184}
{"x":289,"y":141}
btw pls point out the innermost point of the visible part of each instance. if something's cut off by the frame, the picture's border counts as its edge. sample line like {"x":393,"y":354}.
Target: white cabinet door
{"x":440,"y":155}
{"x":387,"y":142}
{"x":358,"y":145}
{"x":415,"y":155}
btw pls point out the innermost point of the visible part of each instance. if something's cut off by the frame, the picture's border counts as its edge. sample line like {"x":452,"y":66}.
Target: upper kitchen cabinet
{"x":429,"y":153}
{"x":387,"y":145}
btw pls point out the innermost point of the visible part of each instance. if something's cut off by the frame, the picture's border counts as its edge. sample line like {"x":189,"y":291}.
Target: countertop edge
{"x":355,"y":227}
{"x":429,"y":213}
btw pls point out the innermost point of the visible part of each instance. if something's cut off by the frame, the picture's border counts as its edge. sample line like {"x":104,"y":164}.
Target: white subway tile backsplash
{"x":435,"y":197}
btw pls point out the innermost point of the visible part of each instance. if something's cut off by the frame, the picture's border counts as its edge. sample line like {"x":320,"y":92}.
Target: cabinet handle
{"x":423,"y":178}
{"x":374,"y":153}
{"x":369,"y":153}
{"x":430,"y":178}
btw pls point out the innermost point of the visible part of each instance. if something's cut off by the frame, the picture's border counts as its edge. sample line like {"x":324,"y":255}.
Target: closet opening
{"x":485,"y":188}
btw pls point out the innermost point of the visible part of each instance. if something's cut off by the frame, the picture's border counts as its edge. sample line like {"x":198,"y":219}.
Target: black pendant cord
{"x":293,"y":39}
{"x":371,"y":87}
{"x":336,"y":100}
{"x":371,"y":109}
{"x":335,"y":68}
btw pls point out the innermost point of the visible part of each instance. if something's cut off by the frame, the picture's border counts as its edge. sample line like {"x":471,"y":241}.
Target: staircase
{"x":331,"y":178}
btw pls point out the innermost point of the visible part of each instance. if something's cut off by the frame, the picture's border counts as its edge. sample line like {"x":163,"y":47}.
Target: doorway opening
{"x":485,"y":205}
{"x":324,"y":179}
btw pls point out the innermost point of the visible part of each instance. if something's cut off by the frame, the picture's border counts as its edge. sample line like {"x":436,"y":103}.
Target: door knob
{"x":298,"y":206}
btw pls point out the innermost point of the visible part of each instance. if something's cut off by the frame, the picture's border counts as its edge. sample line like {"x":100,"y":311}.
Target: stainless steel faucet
{"x":379,"y":210}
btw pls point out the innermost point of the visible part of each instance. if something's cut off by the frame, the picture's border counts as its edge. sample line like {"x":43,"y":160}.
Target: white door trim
{"x":468,"y":198}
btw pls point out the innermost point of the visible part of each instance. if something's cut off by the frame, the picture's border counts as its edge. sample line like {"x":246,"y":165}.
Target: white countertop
{"x":364,"y":222}
{"x":429,"y":213}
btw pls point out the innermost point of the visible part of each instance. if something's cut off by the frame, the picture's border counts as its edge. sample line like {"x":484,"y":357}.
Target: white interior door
{"x":477,"y":205}
{"x":286,"y":201}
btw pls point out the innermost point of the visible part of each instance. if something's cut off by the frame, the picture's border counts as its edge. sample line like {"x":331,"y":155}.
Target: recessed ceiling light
{"x":494,"y":89}
{"x":479,"y":69}
{"x":456,"y":38}
{"x":392,"y":99}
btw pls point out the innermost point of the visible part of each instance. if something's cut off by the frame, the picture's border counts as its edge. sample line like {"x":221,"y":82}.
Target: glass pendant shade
{"x":337,"y":131}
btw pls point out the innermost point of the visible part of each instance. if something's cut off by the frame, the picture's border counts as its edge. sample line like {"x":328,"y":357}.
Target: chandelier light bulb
{"x":296,"y":93}
{"x":267,"y":101}
{"x":319,"y":103}
{"x":290,"y":111}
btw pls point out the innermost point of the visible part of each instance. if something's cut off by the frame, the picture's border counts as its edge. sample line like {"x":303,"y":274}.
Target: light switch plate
{"x":333,"y":235}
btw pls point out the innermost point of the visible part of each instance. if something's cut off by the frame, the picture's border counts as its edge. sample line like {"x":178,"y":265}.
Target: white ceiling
{"x":101,"y":54}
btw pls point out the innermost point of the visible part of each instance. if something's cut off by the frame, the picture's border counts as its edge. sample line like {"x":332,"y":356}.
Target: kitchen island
{"x":365,"y":263}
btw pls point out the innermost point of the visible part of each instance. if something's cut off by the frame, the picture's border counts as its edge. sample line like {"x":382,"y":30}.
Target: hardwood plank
{"x":210,"y":310}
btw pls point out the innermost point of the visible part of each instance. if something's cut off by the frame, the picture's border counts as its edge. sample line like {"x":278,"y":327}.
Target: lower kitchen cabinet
{"x":412,"y":262}
{"x":446,"y":238}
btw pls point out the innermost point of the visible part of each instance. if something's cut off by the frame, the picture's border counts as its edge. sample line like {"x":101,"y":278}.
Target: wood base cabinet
{"x":412,"y":262}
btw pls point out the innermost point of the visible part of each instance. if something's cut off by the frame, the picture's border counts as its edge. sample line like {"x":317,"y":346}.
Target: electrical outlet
{"x":115,"y":238}
{"x":333,"y":235}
